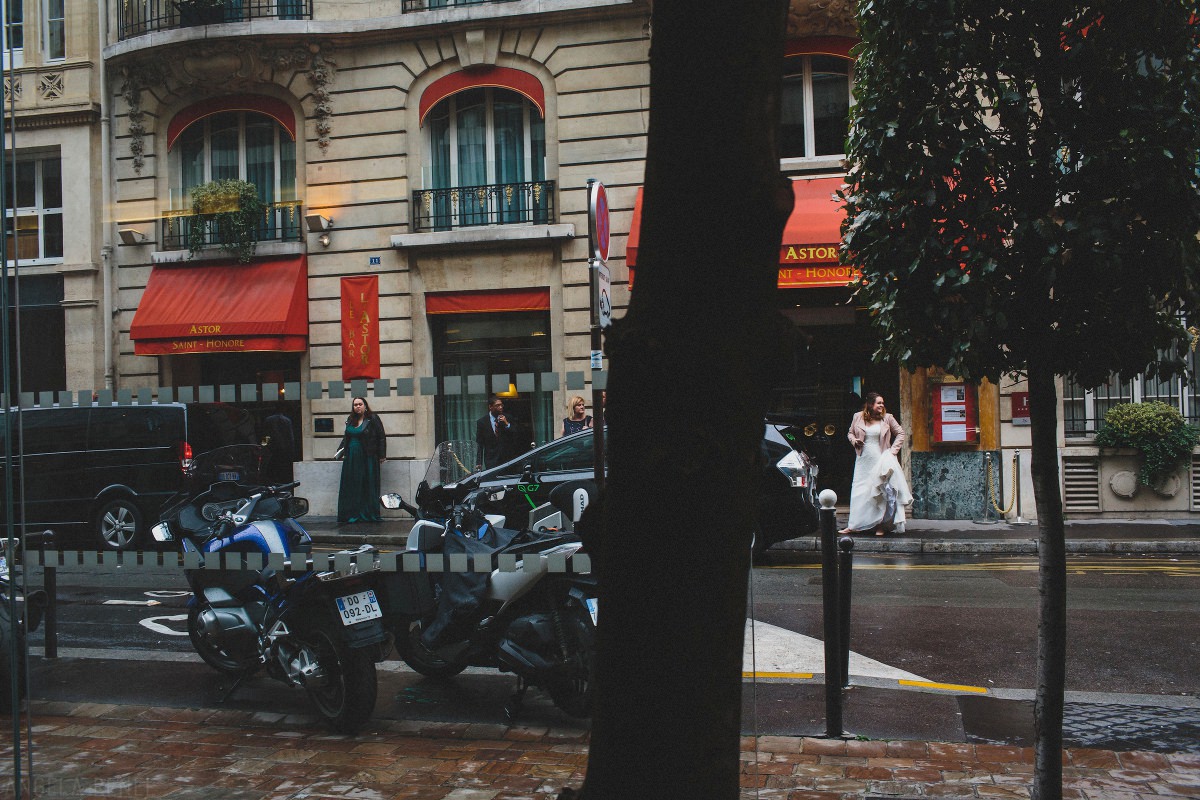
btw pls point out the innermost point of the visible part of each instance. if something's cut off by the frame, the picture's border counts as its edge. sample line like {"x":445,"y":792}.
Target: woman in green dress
{"x":363,"y":450}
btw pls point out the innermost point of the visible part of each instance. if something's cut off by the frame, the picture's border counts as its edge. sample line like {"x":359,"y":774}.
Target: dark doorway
{"x":36,"y":335}
{"x":829,"y":372}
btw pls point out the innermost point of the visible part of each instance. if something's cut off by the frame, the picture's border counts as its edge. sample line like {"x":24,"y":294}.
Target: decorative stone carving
{"x":138,"y":77}
{"x":1124,"y":484}
{"x":821,"y":18}
{"x":477,"y":48}
{"x":12,"y":89}
{"x":50,"y":86}
{"x":211,"y":68}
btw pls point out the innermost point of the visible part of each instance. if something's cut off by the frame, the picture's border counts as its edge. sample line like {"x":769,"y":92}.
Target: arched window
{"x":816,"y":106}
{"x":487,"y":159}
{"x":243,"y":145}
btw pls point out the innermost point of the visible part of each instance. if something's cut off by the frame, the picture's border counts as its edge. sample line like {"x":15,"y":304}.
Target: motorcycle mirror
{"x":527,"y":474}
{"x":162,"y":533}
{"x":496,"y":496}
{"x":391,"y":500}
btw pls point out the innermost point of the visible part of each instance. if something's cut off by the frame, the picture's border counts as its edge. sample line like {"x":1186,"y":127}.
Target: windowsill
{"x":263,"y":249}
{"x":485,"y":235}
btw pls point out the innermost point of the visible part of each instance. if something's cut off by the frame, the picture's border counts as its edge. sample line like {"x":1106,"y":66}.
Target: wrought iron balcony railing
{"x":425,"y":5}
{"x":145,"y":16}
{"x":494,"y":204}
{"x":281,"y":223}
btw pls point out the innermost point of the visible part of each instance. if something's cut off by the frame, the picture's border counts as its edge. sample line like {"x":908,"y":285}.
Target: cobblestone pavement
{"x":1125,"y":727}
{"x":128,"y":751}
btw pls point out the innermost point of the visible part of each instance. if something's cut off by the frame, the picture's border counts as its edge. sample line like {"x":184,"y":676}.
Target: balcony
{"x":282,"y":224}
{"x":146,"y":16}
{"x":426,"y":5}
{"x":459,"y":207}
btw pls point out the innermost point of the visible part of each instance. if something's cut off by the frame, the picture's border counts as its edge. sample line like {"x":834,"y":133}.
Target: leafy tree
{"x":1023,"y":198}
{"x":687,"y":391}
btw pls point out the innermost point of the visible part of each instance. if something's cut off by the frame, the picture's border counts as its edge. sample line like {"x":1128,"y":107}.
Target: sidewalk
{"x":921,"y":536}
{"x":134,"y":751}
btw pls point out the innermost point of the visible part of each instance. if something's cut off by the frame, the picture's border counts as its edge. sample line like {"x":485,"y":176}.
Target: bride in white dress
{"x":879,"y":485}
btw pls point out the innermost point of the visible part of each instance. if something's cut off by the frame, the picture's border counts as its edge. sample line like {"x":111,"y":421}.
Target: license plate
{"x":229,"y":476}
{"x":359,"y":607}
{"x":593,"y":606}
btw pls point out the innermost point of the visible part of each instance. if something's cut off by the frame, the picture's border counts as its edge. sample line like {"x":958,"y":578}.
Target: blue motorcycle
{"x":320,"y":631}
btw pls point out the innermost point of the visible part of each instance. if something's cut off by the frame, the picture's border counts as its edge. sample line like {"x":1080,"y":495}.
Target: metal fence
{"x":425,"y":5}
{"x":494,"y":204}
{"x":145,"y":16}
{"x":282,"y":223}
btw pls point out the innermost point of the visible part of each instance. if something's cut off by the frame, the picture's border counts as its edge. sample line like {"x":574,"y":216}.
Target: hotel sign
{"x":812,"y":265}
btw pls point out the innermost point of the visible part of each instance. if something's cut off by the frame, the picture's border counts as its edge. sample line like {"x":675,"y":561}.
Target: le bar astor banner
{"x":360,"y":327}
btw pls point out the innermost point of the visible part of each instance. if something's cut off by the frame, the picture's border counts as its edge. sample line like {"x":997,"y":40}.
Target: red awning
{"x":499,"y":77}
{"x":223,"y":307}
{"x":808,"y":254}
{"x":488,"y":301}
{"x":273,"y":107}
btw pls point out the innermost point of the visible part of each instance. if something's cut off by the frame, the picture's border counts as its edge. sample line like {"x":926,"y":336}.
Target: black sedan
{"x":787,"y":505}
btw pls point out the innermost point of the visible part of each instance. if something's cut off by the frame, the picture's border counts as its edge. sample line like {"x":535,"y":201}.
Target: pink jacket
{"x":891,"y":435}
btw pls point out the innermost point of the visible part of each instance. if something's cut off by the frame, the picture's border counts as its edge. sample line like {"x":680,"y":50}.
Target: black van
{"x":99,"y":474}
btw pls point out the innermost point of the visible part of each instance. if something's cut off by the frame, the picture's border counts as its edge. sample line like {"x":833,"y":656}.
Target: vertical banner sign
{"x":360,"y":327}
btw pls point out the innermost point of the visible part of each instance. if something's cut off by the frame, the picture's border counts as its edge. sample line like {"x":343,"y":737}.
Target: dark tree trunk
{"x":1052,"y":586}
{"x":691,"y":363}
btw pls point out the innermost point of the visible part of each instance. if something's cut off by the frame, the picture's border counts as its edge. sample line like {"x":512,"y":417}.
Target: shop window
{"x":33,"y":210}
{"x":815,"y":106}
{"x":493,"y":345}
{"x":54,"y":31}
{"x":486,"y":163}
{"x":36,"y":334}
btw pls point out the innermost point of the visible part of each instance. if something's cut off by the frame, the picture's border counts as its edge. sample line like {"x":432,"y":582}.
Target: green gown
{"x":358,"y":494}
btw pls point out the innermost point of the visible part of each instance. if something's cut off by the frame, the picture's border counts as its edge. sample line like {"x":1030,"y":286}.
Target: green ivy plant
{"x":1157,"y":431}
{"x":232,"y":211}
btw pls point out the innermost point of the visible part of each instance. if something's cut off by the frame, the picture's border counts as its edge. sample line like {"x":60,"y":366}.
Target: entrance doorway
{"x":830,"y":372}
{"x":496,"y":345}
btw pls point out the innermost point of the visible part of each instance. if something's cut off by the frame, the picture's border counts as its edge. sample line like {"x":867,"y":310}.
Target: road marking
{"x":796,"y":676}
{"x":131,"y":603}
{"x":950,"y":687}
{"x":1078,"y":565}
{"x":153,"y":624}
{"x":776,"y":652}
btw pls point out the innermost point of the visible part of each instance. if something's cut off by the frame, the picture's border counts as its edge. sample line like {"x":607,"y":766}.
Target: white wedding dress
{"x":875,"y":470}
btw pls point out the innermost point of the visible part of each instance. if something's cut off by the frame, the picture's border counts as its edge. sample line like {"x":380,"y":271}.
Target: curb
{"x":871,"y":544}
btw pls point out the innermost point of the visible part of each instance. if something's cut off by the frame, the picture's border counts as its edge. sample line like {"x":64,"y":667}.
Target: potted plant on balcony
{"x":232,"y":212}
{"x":1158,"y":432}
{"x":200,"y":12}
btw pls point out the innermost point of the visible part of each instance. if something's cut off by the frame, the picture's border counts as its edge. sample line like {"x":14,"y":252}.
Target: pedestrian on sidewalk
{"x":362,"y":452}
{"x":577,"y":418}
{"x":879,"y":491}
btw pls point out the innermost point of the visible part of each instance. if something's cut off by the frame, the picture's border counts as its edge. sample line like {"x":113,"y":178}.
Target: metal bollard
{"x":832,"y":624}
{"x":845,"y":567}
{"x":50,"y":620}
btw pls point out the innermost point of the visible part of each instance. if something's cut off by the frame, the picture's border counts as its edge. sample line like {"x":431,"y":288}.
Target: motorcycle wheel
{"x":425,"y":661}
{"x":347,"y":698}
{"x":571,"y":691}
{"x":7,"y":631}
{"x":213,"y":655}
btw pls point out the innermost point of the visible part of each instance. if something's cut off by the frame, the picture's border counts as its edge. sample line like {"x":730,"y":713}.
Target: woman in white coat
{"x":878,"y":479}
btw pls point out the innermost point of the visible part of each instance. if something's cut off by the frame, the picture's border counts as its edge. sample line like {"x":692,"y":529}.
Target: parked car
{"x":99,"y":474}
{"x":787,"y":504}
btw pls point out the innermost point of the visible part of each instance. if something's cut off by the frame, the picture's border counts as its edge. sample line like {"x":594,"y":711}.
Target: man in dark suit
{"x":281,"y":445}
{"x":496,"y":435}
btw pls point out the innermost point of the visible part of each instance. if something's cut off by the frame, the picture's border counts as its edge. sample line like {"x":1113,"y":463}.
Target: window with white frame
{"x":33,"y":209}
{"x":14,"y":34}
{"x":491,"y":143}
{"x":817,"y":93}
{"x":239,"y":145}
{"x":1084,"y":409}
{"x":54,"y":29}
